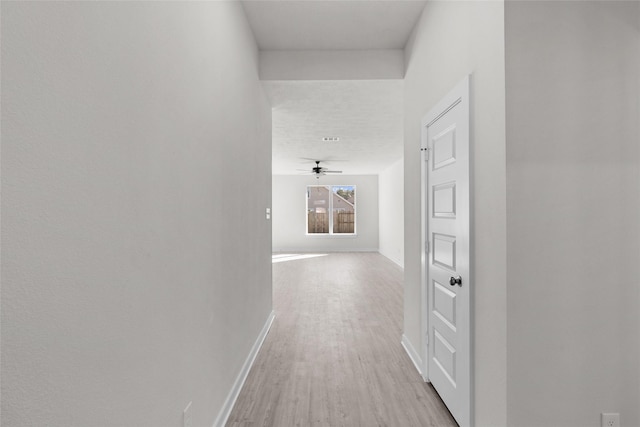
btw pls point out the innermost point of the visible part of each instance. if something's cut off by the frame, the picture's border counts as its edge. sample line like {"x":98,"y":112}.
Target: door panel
{"x":445,"y":135}
{"x":444,"y":147}
{"x":444,"y":355}
{"x":444,"y":251}
{"x":444,"y":200}
{"x":444,"y":304}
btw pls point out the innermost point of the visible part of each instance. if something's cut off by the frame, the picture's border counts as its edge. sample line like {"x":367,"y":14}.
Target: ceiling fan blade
{"x":332,"y":171}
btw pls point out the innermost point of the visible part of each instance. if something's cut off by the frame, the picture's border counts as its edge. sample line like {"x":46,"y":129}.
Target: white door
{"x":445,"y":142}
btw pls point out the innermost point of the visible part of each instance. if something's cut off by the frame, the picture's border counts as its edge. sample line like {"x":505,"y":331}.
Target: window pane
{"x":344,"y":209}
{"x":318,"y":209}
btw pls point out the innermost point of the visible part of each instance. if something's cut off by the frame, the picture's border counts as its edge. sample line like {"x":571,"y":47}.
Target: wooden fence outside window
{"x":343,"y":223}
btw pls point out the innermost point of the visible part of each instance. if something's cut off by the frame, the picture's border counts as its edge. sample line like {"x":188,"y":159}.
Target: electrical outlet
{"x":187,"y":419}
{"x":268,"y":213}
{"x":611,"y":419}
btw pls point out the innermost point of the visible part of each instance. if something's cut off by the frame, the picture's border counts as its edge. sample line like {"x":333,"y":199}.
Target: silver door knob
{"x":455,"y":281}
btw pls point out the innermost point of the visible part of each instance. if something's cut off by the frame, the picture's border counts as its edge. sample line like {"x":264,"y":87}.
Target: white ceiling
{"x":332,"y":24}
{"x":365,"y":114}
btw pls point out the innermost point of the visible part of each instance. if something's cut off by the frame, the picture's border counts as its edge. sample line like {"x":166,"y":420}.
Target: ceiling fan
{"x":319,"y":171}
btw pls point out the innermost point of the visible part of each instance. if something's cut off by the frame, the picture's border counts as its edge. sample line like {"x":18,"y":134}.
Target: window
{"x":331,"y":209}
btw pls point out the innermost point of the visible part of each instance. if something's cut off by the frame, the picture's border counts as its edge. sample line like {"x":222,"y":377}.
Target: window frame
{"x":330,"y":209}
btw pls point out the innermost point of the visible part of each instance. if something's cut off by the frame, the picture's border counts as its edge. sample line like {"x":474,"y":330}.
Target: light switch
{"x":268,"y":213}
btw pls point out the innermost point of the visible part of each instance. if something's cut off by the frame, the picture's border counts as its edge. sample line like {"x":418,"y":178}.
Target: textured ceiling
{"x":365,"y":114}
{"x":332,"y":24}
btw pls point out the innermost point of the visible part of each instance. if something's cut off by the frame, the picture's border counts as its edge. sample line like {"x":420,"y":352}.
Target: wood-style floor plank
{"x":333,"y":356}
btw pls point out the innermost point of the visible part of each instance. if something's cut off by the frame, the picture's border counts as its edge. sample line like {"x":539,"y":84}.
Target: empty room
{"x":320,"y":213}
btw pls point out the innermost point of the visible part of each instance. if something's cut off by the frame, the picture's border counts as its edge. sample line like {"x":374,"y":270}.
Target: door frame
{"x":461,"y":93}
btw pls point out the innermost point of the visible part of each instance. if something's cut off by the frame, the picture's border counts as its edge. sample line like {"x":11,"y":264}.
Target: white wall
{"x":391,"y":201}
{"x":454,"y":39}
{"x":134,"y":278}
{"x":331,"y":64}
{"x":289,"y":210}
{"x":573,"y":174}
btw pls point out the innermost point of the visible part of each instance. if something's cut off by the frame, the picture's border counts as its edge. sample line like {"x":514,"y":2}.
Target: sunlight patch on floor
{"x":292,"y":257}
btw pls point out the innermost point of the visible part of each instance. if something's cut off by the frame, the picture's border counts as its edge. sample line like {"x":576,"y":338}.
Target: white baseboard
{"x":413,"y":355}
{"x":390,"y":258}
{"x":224,"y":413}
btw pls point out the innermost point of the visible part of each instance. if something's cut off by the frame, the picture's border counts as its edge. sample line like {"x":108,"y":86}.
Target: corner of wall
{"x":230,"y":401}
{"x":477,"y":48}
{"x":413,"y":355}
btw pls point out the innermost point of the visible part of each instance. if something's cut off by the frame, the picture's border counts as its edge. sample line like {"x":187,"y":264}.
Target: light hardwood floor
{"x":333,"y":356}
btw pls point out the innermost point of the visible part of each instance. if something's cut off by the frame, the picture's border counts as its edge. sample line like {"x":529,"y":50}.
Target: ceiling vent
{"x":331,"y":139}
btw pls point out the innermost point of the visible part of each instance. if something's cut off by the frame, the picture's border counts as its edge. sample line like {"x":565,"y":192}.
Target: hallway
{"x":333,"y":355}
